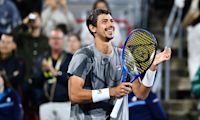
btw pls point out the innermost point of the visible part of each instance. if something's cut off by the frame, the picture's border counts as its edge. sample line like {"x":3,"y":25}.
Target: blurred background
{"x":26,"y":32}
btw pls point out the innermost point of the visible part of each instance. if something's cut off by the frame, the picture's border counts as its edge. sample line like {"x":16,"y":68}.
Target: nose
{"x":110,"y":23}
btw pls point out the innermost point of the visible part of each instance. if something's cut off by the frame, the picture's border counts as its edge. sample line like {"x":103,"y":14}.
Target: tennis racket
{"x":138,"y":54}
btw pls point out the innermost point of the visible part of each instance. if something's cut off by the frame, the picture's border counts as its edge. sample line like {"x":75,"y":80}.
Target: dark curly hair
{"x":92,"y":18}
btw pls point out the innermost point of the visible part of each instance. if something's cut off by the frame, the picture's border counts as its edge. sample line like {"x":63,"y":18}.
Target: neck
{"x":1,"y":89}
{"x":104,"y":47}
{"x":4,"y":56}
{"x":55,"y":54}
{"x":36,"y":32}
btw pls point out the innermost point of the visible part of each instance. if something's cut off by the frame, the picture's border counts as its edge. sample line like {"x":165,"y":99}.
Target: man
{"x":95,"y":73}
{"x":14,"y":67}
{"x":57,"y":12}
{"x":87,"y":38}
{"x":50,"y":72}
{"x":30,"y":41}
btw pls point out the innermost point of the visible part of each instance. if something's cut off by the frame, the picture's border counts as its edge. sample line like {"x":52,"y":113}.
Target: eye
{"x":104,"y":21}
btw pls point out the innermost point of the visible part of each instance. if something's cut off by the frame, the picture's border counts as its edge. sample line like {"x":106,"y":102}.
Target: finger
{"x":123,"y":92}
{"x":167,"y":50}
{"x":127,"y":84}
{"x":128,"y":89}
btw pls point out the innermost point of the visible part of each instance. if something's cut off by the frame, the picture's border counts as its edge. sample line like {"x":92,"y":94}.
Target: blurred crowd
{"x":38,"y":40}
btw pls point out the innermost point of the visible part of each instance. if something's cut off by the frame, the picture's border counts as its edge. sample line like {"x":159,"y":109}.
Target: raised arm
{"x":192,"y":14}
{"x":142,"y":88}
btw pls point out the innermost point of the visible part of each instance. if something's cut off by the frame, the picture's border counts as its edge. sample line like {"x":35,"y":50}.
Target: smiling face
{"x":104,"y":29}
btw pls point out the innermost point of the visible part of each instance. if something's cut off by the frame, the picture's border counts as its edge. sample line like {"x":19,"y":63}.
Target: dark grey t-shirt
{"x":98,"y":71}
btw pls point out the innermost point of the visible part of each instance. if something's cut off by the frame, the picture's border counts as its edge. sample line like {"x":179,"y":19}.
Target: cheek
{"x":77,"y":44}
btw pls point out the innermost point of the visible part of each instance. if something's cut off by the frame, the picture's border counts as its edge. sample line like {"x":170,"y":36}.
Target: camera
{"x":32,"y":17}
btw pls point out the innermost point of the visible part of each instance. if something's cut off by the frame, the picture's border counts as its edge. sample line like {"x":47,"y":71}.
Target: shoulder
{"x":12,"y":93}
{"x":9,"y":3}
{"x":85,"y":52}
{"x":80,"y":61}
{"x":43,"y":55}
{"x":67,"y":56}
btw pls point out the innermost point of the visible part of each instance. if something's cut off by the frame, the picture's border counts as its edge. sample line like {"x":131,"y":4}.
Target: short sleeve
{"x":78,"y":65}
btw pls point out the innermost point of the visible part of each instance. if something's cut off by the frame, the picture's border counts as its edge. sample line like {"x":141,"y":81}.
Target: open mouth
{"x":110,"y":30}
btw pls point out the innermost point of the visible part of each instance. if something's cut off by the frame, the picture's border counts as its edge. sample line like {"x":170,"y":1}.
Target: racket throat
{"x":136,"y":77}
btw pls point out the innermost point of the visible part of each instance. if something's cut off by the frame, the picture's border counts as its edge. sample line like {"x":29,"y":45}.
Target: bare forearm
{"x":140,"y":90}
{"x":77,"y":94}
{"x":80,"y":96}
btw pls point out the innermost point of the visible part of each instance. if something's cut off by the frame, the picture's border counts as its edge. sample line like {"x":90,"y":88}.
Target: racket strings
{"x":139,"y":50}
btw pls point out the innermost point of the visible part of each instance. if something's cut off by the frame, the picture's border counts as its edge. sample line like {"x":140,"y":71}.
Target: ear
{"x":92,"y":28}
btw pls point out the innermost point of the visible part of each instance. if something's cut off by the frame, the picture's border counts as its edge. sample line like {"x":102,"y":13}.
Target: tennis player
{"x":95,"y":74}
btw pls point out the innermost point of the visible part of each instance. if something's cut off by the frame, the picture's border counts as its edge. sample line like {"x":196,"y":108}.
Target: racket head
{"x":138,"y":52}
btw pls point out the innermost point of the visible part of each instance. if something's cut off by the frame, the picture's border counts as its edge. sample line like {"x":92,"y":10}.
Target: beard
{"x":108,"y":39}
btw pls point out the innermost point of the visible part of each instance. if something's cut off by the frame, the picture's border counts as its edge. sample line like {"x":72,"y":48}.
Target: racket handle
{"x":116,"y":108}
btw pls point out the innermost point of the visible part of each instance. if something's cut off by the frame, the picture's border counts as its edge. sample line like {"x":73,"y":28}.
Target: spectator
{"x":192,"y":22}
{"x":50,"y":78}
{"x":87,"y":38}
{"x":27,"y":6}
{"x":13,"y":66}
{"x":64,"y":29}
{"x":10,"y":103}
{"x":148,"y":109}
{"x":30,"y":40}
{"x":56,"y":12}
{"x":73,"y":43}
{"x":9,"y":16}
{"x":30,"y":43}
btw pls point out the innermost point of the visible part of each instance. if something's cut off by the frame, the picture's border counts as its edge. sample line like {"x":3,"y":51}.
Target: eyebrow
{"x":107,"y":19}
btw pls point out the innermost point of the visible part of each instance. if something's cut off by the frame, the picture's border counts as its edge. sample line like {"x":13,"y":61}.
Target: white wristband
{"x":100,"y":95}
{"x":148,"y":79}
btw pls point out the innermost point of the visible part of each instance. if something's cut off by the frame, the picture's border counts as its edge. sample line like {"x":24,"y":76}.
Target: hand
{"x":26,"y":20}
{"x":47,"y":67}
{"x":121,"y":90}
{"x":161,"y":57}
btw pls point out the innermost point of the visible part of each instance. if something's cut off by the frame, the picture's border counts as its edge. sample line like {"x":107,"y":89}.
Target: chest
{"x":105,"y":72}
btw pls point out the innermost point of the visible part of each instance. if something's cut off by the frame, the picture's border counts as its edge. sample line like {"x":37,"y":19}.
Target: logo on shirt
{"x":118,"y":67}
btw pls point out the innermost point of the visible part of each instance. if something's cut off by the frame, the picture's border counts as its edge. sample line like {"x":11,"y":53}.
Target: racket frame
{"x":125,"y":71}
